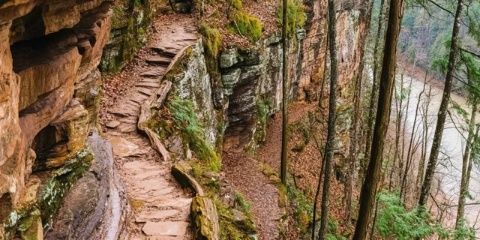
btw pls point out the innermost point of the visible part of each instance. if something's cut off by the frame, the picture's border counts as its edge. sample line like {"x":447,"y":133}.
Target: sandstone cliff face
{"x":234,"y":112}
{"x":49,"y":81}
{"x":49,"y":53}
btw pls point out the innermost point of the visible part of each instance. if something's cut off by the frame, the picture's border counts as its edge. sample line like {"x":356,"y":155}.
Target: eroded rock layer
{"x":49,"y":53}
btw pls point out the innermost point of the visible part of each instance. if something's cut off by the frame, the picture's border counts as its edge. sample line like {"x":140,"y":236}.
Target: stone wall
{"x":131,"y":22}
{"x":49,"y":52}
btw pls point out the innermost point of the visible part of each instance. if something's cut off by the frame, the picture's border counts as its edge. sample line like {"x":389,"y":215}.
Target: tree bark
{"x":466,"y":167}
{"x":332,"y":102}
{"x":423,"y":159}
{"x":442,"y":112}
{"x":284,"y":151}
{"x":373,"y":94}
{"x":365,"y":19}
{"x":410,"y":150}
{"x":387,"y":81}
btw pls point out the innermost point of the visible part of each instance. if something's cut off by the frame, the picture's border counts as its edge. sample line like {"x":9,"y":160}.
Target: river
{"x":448,"y":172}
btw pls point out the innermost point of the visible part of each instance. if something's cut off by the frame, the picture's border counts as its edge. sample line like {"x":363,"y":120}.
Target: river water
{"x":449,"y":169}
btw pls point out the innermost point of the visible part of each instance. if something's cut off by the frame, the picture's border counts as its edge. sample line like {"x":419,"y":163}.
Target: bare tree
{"x":410,"y":150}
{"x":425,"y":133}
{"x":284,"y":151}
{"x":332,"y":106}
{"x":373,"y":94}
{"x":387,"y":82}
{"x":442,"y":112}
{"x":365,"y":19}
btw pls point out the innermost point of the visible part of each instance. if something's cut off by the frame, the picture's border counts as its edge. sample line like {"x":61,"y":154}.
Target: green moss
{"x":55,"y":189}
{"x":212,"y":39}
{"x":295,"y":16}
{"x":187,"y":123}
{"x":229,"y":227}
{"x":242,"y":202}
{"x":237,"y":4}
{"x":246,"y":25}
{"x":51,"y":195}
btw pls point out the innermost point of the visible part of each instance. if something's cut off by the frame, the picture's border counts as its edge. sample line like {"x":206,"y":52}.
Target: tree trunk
{"x":365,"y":19}
{"x":387,"y":81}
{"x":373,"y":94}
{"x":410,"y":150}
{"x":442,"y":112}
{"x":284,"y":151}
{"x":466,"y":167}
{"x":332,"y":106}
{"x":423,"y":159}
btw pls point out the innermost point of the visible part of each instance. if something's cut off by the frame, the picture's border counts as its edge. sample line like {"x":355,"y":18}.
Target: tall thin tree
{"x":284,"y":151}
{"x":471,"y":146}
{"x":365,"y":19}
{"x":373,"y":94}
{"x":332,"y":106}
{"x":387,"y":81}
{"x":442,"y":112}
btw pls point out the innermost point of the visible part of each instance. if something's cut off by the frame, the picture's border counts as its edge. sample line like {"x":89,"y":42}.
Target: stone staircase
{"x":160,"y":207}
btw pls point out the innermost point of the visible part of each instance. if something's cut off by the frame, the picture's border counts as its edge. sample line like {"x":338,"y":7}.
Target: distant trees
{"x":387,"y":82}
{"x":442,"y":112}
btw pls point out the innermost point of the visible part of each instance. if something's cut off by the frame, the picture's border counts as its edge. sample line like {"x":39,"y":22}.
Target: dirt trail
{"x":245,"y":173}
{"x":160,"y":207}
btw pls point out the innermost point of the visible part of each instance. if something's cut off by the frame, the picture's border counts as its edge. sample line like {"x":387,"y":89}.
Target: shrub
{"x":212,"y":39}
{"x":186,"y":120}
{"x":246,"y":25}
{"x":295,"y":16}
{"x":394,"y":221}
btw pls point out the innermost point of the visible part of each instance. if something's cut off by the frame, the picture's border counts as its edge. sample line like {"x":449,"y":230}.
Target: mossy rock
{"x":205,"y":219}
{"x":247,"y":25}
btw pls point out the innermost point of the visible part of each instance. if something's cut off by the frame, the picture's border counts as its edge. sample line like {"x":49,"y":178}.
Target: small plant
{"x":295,"y":16}
{"x":246,"y":25}
{"x":394,"y":221}
{"x":212,"y":39}
{"x":242,"y":202}
{"x":186,"y":121}
{"x":236,"y":4}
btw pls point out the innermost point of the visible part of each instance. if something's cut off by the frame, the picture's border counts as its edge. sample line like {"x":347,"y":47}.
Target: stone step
{"x":155,"y":215}
{"x":128,"y":120}
{"x":145,"y":91}
{"x":157,"y":72}
{"x":166,"y":238}
{"x":158,"y":60}
{"x":178,"y":203}
{"x":152,"y":191}
{"x":164,"y":51}
{"x":140,"y":165}
{"x":145,"y":175}
{"x":127,"y":127}
{"x":148,"y":84}
{"x":169,"y":228}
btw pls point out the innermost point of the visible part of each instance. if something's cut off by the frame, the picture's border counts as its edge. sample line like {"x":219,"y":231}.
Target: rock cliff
{"x":50,"y":52}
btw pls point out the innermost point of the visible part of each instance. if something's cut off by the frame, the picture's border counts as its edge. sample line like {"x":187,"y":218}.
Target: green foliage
{"x":237,"y":4}
{"x":242,"y":202}
{"x":212,"y":39}
{"x":246,"y":25}
{"x":394,"y":221}
{"x":295,"y":16}
{"x":230,"y":227}
{"x":186,"y":121}
{"x":463,"y":232}
{"x":51,"y":195}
